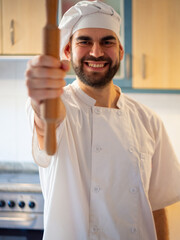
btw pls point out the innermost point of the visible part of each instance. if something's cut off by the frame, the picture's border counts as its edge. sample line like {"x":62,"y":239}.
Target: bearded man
{"x":114,"y":165}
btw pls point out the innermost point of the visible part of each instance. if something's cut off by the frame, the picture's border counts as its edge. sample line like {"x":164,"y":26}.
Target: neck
{"x":105,"y":97}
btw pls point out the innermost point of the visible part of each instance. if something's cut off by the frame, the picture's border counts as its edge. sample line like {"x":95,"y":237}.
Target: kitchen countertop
{"x":18,"y":167}
{"x":20,"y":187}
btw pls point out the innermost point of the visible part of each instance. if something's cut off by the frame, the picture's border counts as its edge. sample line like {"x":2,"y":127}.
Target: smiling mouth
{"x":96,"y":65}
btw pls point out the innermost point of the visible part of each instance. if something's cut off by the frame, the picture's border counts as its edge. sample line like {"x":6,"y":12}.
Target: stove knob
{"x":2,"y":203}
{"x":32,"y":204}
{"x":11,"y":204}
{"x":21,"y":204}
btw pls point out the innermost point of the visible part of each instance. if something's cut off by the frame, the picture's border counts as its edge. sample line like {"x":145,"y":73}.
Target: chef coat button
{"x":95,"y":229}
{"x":119,"y":112}
{"x":131,"y":149}
{"x":133,"y":230}
{"x":97,"y":189}
{"x":97,"y":110}
{"x":133,"y":190}
{"x":142,"y":156}
{"x":98,"y":148}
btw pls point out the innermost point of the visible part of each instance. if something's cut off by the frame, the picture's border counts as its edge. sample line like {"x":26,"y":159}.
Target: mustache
{"x":91,"y":58}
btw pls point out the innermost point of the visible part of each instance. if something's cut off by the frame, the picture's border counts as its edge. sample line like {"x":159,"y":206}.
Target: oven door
{"x":20,"y":234}
{"x":21,"y":226}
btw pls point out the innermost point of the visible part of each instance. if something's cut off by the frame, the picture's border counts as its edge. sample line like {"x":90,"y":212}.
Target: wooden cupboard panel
{"x":0,"y":27}
{"x":173,"y":214}
{"x":156,"y":40}
{"x":29,"y":19}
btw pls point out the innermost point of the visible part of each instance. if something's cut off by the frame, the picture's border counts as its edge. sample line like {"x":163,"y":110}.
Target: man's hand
{"x":45,"y":80}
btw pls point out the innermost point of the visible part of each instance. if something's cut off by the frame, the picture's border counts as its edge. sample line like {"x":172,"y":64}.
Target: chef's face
{"x":95,"y":55}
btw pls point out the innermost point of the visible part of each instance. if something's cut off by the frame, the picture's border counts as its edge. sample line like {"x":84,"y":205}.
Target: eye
{"x":108,"y":43}
{"x":84,"y":43}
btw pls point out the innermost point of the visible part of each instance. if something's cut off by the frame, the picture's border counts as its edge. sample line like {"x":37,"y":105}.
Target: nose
{"x":96,"y":50}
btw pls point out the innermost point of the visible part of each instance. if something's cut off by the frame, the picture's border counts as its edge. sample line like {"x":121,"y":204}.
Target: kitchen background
{"x":150,"y":71}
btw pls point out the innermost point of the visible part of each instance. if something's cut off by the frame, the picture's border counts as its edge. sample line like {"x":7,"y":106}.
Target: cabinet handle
{"x":128,"y":65}
{"x":144,"y":59}
{"x":12,"y":32}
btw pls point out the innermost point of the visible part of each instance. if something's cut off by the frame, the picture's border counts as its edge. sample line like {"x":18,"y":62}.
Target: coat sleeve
{"x":164,"y":187}
{"x":40,"y":157}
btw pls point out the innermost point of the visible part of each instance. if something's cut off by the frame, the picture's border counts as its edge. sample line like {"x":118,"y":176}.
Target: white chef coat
{"x":113,"y":167}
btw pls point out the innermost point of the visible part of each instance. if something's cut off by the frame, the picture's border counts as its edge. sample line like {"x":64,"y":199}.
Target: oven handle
{"x":17,"y":220}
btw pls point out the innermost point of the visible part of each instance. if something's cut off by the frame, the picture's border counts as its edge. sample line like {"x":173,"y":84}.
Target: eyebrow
{"x":86,"y":38}
{"x":110,"y":37}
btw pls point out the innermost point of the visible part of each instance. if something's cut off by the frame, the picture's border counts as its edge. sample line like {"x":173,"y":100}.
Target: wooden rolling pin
{"x":50,"y":108}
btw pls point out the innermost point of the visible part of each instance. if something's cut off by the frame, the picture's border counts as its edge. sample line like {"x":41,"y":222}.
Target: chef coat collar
{"x":91,"y":101}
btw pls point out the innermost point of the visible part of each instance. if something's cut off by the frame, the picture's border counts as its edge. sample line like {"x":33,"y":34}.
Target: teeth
{"x":95,"y":65}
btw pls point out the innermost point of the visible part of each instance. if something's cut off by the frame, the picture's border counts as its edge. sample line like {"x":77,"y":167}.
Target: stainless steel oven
{"x":21,"y":206}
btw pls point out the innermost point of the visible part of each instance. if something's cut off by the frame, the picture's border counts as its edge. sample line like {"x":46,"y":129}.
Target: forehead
{"x":94,"y":33}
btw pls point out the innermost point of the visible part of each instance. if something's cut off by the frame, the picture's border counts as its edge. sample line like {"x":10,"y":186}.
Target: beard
{"x":95,"y":79}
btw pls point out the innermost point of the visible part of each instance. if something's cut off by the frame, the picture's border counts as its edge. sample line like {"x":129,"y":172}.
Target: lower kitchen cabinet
{"x":156,"y":44}
{"x":173,"y":214}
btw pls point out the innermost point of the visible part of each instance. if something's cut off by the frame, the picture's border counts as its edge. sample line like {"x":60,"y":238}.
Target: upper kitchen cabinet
{"x":21,"y":28}
{"x":156,"y":44}
{"x":0,"y":27}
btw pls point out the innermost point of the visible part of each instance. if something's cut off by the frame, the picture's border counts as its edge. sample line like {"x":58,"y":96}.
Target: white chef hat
{"x":88,"y":14}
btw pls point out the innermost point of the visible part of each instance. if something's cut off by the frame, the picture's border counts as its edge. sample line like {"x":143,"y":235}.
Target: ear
{"x":121,"y":51}
{"x":67,"y":51}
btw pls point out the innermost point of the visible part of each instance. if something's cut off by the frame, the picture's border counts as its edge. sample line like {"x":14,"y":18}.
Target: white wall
{"x":15,"y":136}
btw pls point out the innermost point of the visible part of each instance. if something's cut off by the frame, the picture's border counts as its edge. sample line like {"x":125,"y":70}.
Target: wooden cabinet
{"x":22,"y":23}
{"x":156,"y":44}
{"x":173,"y":214}
{"x":0,"y":27}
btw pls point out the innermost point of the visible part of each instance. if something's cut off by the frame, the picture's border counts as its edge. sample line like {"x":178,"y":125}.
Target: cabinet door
{"x":0,"y":27}
{"x":156,"y":44}
{"x":173,"y":214}
{"x":23,"y":21}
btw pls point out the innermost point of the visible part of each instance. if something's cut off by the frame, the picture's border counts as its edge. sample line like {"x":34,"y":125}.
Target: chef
{"x":115,"y":165}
